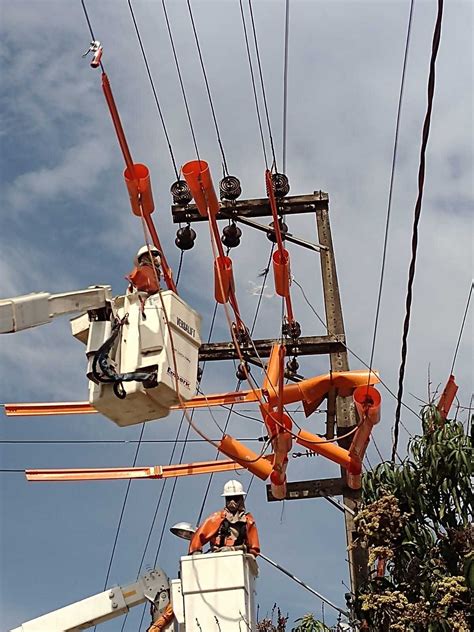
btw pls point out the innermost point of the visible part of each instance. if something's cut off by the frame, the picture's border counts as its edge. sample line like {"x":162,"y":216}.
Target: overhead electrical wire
{"x":262,"y":83}
{"x":239,"y":382}
{"x":155,"y":94}
{"x":285,"y":80}
{"x":122,"y":511}
{"x":181,"y":83}
{"x":208,"y":89}
{"x":86,"y":14}
{"x":416,"y":220}
{"x":392,"y":178}
{"x":117,"y":441}
{"x":352,"y":352}
{"x":254,"y":86}
{"x":461,"y":330}
{"x":186,"y":440}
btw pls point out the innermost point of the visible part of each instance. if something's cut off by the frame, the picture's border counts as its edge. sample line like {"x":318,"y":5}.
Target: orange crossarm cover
{"x":209,"y":529}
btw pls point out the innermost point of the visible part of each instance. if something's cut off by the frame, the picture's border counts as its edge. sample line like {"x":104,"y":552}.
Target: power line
{"x":417,"y":214}
{"x":84,"y":8}
{"x":123,"y":510}
{"x":285,"y":79}
{"x":155,"y":94}
{"x":186,"y":440}
{"x":462,"y":329}
{"x":352,"y":352}
{"x":224,"y":162}
{"x":252,"y":76}
{"x":392,"y":177}
{"x":116,"y":441}
{"x":262,"y":84}
{"x":181,"y":83}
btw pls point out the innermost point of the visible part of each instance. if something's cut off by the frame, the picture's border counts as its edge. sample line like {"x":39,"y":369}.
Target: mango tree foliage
{"x":416,"y":522}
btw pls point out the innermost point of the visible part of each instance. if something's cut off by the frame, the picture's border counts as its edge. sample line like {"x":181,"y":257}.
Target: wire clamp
{"x":96,"y":49}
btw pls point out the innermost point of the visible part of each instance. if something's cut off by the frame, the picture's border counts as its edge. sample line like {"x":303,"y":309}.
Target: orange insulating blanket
{"x":209,"y":532}
{"x":163,"y":620}
{"x":144,"y":279}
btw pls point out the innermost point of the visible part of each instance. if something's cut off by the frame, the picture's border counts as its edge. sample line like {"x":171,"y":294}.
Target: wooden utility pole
{"x":341,"y":415}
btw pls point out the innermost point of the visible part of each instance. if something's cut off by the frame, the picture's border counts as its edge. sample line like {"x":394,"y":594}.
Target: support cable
{"x":417,"y":214}
{"x":155,"y":94}
{"x":254,"y":30}
{"x":392,"y":177}
{"x":461,"y":330}
{"x":252,"y":75}
{"x":181,"y":83}
{"x":214,"y":117}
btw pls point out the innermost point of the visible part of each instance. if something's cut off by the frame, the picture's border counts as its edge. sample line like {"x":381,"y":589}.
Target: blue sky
{"x":67,"y":224}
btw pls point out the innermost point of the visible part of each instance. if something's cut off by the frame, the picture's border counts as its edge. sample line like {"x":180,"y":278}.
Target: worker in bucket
{"x":146,"y":274}
{"x":231,"y":528}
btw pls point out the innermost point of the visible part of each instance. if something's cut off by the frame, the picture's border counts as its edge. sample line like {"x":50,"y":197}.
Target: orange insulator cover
{"x":239,"y":453}
{"x":223,"y":279}
{"x":354,"y":481}
{"x":198,"y":178}
{"x":367,"y":401}
{"x":278,"y":484}
{"x":281,"y":272}
{"x":139,"y":189}
{"x":331,"y":451}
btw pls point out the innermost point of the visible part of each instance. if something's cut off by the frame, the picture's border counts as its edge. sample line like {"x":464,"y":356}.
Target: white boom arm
{"x":112,"y":603}
{"x":39,"y":308}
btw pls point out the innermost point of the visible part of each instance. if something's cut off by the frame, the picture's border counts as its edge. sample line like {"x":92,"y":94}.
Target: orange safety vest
{"x":209,"y":531}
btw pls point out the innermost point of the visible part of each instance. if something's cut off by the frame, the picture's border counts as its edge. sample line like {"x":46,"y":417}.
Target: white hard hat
{"x":144,"y":251}
{"x":233,"y":488}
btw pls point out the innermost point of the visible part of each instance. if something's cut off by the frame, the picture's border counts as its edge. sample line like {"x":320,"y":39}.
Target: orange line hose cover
{"x":198,"y":177}
{"x":239,"y":453}
{"x":223,"y":279}
{"x":313,"y":390}
{"x":331,"y":451}
{"x":281,"y":272}
{"x":139,"y":189}
{"x":447,"y":397}
{"x":272,"y":372}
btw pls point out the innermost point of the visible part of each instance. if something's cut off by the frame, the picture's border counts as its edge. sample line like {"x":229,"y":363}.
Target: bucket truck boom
{"x":110,"y":604}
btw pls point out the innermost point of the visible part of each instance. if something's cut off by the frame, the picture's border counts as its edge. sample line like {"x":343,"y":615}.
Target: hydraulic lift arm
{"x":39,"y":308}
{"x":107,"y":605}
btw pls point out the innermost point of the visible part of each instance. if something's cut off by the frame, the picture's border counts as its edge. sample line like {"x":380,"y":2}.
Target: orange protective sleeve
{"x":206,"y":532}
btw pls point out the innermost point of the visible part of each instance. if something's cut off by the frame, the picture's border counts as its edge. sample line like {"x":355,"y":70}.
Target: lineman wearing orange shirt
{"x":145,"y":277}
{"x":231,"y":529}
